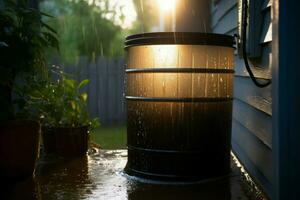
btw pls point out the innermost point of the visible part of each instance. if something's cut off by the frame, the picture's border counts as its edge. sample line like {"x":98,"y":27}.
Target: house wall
{"x":286,"y":95}
{"x":252,"y":110}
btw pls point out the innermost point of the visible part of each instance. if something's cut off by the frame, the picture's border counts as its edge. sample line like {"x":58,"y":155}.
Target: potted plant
{"x":62,"y":108}
{"x":23,"y":38}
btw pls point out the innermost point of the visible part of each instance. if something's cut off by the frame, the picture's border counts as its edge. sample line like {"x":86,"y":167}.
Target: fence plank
{"x":106,"y":87}
{"x":92,"y":90}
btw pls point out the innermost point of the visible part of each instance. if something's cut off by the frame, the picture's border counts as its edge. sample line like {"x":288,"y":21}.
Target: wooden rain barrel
{"x":179,"y":105}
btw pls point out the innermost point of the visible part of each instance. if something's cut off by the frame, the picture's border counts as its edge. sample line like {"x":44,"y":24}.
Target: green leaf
{"x":48,"y":27}
{"x":46,"y":14}
{"x":52,"y":39}
{"x":3,"y":44}
{"x":70,"y":83}
{"x":73,"y":105}
{"x":83,"y":97}
{"x":95,"y":123}
{"x":83,"y":83}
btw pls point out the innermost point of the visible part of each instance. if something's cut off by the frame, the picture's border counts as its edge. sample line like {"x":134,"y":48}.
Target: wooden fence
{"x":105,"y":89}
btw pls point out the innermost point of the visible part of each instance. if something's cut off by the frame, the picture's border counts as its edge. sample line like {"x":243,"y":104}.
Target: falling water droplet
{"x":142,"y":11}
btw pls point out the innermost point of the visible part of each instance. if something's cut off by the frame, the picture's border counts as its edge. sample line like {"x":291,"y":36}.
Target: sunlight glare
{"x":166,"y":5}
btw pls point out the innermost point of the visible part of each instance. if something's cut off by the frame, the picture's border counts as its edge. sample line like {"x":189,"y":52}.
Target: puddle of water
{"x":100,"y":176}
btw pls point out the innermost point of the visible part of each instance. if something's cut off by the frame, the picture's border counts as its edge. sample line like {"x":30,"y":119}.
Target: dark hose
{"x":245,"y":16}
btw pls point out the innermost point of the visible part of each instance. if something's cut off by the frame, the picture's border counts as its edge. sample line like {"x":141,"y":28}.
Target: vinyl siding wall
{"x":252,"y":110}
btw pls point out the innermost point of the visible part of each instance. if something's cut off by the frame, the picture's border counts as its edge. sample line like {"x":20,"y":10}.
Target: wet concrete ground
{"x":100,"y":175}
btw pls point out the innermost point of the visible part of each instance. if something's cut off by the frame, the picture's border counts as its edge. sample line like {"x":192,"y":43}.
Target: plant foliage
{"x":23,"y":39}
{"x":57,"y":103}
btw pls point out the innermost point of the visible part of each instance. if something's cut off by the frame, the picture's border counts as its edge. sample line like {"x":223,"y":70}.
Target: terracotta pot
{"x":19,"y":148}
{"x":66,"y":141}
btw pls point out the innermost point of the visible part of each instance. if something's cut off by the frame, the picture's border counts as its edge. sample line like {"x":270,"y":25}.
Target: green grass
{"x":110,"y":137}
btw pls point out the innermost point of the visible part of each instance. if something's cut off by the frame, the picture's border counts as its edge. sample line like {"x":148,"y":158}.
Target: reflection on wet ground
{"x":100,"y":175}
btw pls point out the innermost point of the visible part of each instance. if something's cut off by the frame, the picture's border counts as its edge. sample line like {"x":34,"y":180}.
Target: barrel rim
{"x":185,"y":38}
{"x":178,"y":99}
{"x":179,"y":70}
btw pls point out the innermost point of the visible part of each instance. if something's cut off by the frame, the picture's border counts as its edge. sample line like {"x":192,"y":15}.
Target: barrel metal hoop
{"x":179,"y":38}
{"x":149,"y":174}
{"x":179,"y":99}
{"x":173,"y":179}
{"x":129,"y":147}
{"x":180,"y":70}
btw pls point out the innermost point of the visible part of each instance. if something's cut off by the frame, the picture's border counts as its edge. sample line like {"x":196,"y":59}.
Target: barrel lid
{"x":188,"y":38}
